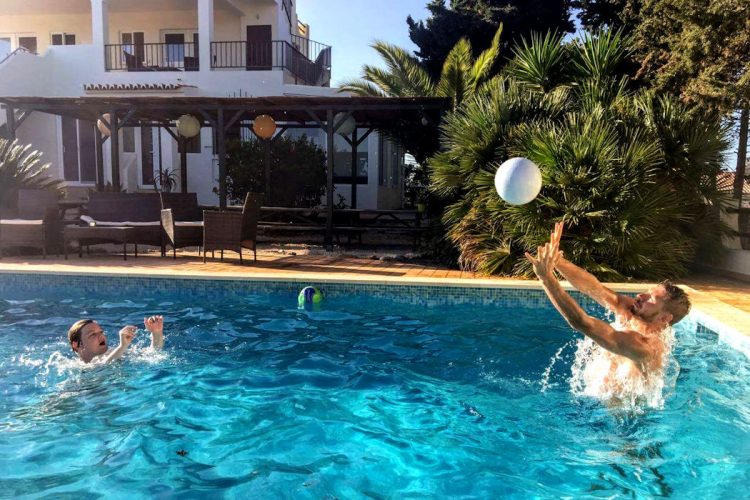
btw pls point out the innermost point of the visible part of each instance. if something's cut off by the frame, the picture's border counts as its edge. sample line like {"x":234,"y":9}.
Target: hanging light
{"x":102,"y":126}
{"x":188,"y":126}
{"x":264,"y":126}
{"x":347,"y":126}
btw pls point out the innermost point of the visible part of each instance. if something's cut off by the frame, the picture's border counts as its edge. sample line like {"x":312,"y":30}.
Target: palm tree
{"x":629,"y":174}
{"x":405,"y":76}
{"x":21,"y":168}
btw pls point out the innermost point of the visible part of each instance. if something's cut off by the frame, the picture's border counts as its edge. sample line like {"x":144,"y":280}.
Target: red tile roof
{"x":725,"y":183}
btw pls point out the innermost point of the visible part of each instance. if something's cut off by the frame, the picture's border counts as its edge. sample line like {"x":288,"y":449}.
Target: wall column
{"x":100,"y":30}
{"x":205,"y":33}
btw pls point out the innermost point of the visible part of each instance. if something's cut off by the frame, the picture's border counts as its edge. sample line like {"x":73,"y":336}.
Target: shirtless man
{"x":637,"y":343}
{"x":87,"y":339}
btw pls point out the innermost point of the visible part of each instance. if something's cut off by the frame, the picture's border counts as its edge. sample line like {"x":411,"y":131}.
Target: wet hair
{"x":678,"y":302}
{"x":74,"y":334}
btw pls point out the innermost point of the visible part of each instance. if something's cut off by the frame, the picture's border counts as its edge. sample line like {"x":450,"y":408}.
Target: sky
{"x":350,"y":26}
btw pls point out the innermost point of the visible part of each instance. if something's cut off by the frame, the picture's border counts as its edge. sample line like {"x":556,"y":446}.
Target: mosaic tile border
{"x":32,"y":285}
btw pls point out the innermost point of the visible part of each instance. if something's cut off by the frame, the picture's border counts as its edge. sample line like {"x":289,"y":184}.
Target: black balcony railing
{"x":308,"y":61}
{"x":152,"y":57}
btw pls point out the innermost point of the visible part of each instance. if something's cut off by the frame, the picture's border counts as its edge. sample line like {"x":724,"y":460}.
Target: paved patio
{"x":725,"y":299}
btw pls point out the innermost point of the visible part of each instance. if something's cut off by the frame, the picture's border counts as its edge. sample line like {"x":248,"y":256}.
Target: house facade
{"x":155,"y":48}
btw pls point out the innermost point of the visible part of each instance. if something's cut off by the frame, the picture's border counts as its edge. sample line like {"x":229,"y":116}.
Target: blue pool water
{"x":366,"y":398}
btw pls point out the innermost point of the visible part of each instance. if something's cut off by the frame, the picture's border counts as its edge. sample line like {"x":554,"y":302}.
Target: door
{"x":259,"y":47}
{"x":79,"y":153}
{"x":174,"y":44}
{"x":147,"y":156}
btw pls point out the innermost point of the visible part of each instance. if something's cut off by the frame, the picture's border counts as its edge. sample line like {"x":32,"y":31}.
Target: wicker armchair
{"x":224,"y":230}
{"x":182,"y":221}
{"x":34,"y":223}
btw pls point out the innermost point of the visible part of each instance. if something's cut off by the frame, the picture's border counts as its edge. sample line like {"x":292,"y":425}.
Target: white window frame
{"x":61,"y":33}
{"x":15,"y":36}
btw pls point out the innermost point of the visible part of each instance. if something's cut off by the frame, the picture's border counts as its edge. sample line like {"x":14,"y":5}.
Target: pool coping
{"x":734,"y":325}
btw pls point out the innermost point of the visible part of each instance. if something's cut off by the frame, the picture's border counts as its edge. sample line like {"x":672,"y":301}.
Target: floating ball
{"x":309,"y":296}
{"x":188,"y":126}
{"x":518,"y":181}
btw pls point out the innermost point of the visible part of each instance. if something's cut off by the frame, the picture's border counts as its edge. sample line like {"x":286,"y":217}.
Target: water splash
{"x":548,"y":371}
{"x":617,"y":381}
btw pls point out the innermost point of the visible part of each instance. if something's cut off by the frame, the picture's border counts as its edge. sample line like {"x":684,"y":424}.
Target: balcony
{"x":309,"y":62}
{"x":151,"y":57}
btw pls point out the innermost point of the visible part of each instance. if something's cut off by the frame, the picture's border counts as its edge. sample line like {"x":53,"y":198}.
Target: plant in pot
{"x":422,"y":202}
{"x":165,"y":181}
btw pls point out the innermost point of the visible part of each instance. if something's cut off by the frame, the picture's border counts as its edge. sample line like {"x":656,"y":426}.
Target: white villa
{"x":155,"y":48}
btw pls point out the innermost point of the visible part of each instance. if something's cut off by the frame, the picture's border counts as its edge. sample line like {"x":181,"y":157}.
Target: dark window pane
{"x":57,"y":39}
{"x":128,"y":140}
{"x":28,"y":43}
{"x":70,"y":39}
{"x":70,"y":149}
{"x":193,"y":145}
{"x":87,"y":151}
{"x":147,"y":156}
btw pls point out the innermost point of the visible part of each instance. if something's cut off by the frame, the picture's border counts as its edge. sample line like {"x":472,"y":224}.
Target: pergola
{"x":224,"y":113}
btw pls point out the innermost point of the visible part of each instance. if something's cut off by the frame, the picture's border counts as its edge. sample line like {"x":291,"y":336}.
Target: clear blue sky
{"x":349,"y":26}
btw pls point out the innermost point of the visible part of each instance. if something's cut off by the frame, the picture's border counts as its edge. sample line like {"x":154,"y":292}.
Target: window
{"x":5,"y":44}
{"x":193,"y":145}
{"x":28,"y":43}
{"x":391,"y":163}
{"x":128,"y":140}
{"x":63,"y":39}
{"x":342,"y":160}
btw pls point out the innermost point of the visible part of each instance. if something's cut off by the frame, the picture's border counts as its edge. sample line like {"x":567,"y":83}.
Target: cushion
{"x":24,"y":222}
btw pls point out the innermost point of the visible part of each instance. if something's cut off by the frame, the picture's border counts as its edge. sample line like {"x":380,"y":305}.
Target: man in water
{"x":87,"y":339}
{"x":636,"y":341}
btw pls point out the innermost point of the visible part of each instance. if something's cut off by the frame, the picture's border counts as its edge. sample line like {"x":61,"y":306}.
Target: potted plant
{"x":165,"y":181}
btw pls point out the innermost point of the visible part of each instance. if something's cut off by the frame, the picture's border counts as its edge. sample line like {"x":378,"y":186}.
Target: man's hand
{"x":548,"y":256}
{"x":546,"y":259}
{"x":127,"y":334}
{"x":155,"y":325}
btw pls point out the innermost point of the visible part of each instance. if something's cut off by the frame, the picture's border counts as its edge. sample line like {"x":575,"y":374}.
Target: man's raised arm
{"x":584,"y":281}
{"x":625,"y":343}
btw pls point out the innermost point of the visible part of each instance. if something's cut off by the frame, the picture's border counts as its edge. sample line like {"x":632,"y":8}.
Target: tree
{"x":462,"y":76}
{"x":698,"y":50}
{"x":298,"y":171}
{"x":477,"y":21}
{"x":21,"y":168}
{"x":630,"y":174}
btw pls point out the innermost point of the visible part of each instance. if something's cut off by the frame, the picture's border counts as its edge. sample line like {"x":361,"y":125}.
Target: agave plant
{"x":631,"y":175}
{"x":21,"y":168}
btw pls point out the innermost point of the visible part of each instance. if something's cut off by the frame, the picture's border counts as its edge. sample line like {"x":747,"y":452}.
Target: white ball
{"x":188,"y":126}
{"x":518,"y":181}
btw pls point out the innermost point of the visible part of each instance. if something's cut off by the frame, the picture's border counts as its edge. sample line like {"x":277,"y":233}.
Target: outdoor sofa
{"x":32,"y":221}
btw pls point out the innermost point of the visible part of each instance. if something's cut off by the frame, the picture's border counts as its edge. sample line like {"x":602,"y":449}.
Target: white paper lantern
{"x":518,"y":181}
{"x":188,"y":126}
{"x":103,"y":128}
{"x":348,"y":125}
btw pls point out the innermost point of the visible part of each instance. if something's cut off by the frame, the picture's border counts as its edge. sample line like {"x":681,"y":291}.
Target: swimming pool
{"x":384,"y":392}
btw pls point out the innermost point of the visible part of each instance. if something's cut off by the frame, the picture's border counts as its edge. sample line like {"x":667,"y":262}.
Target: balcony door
{"x":259,"y":54}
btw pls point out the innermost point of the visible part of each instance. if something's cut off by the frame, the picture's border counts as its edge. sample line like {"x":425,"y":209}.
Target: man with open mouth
{"x":88,"y":340}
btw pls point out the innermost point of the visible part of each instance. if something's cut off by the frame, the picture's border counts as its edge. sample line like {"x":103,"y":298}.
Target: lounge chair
{"x":228,"y":230}
{"x":33,"y":223}
{"x":182,"y":221}
{"x":137,"y":210}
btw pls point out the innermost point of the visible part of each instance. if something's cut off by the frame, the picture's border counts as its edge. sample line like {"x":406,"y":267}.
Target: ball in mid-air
{"x":518,"y":181}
